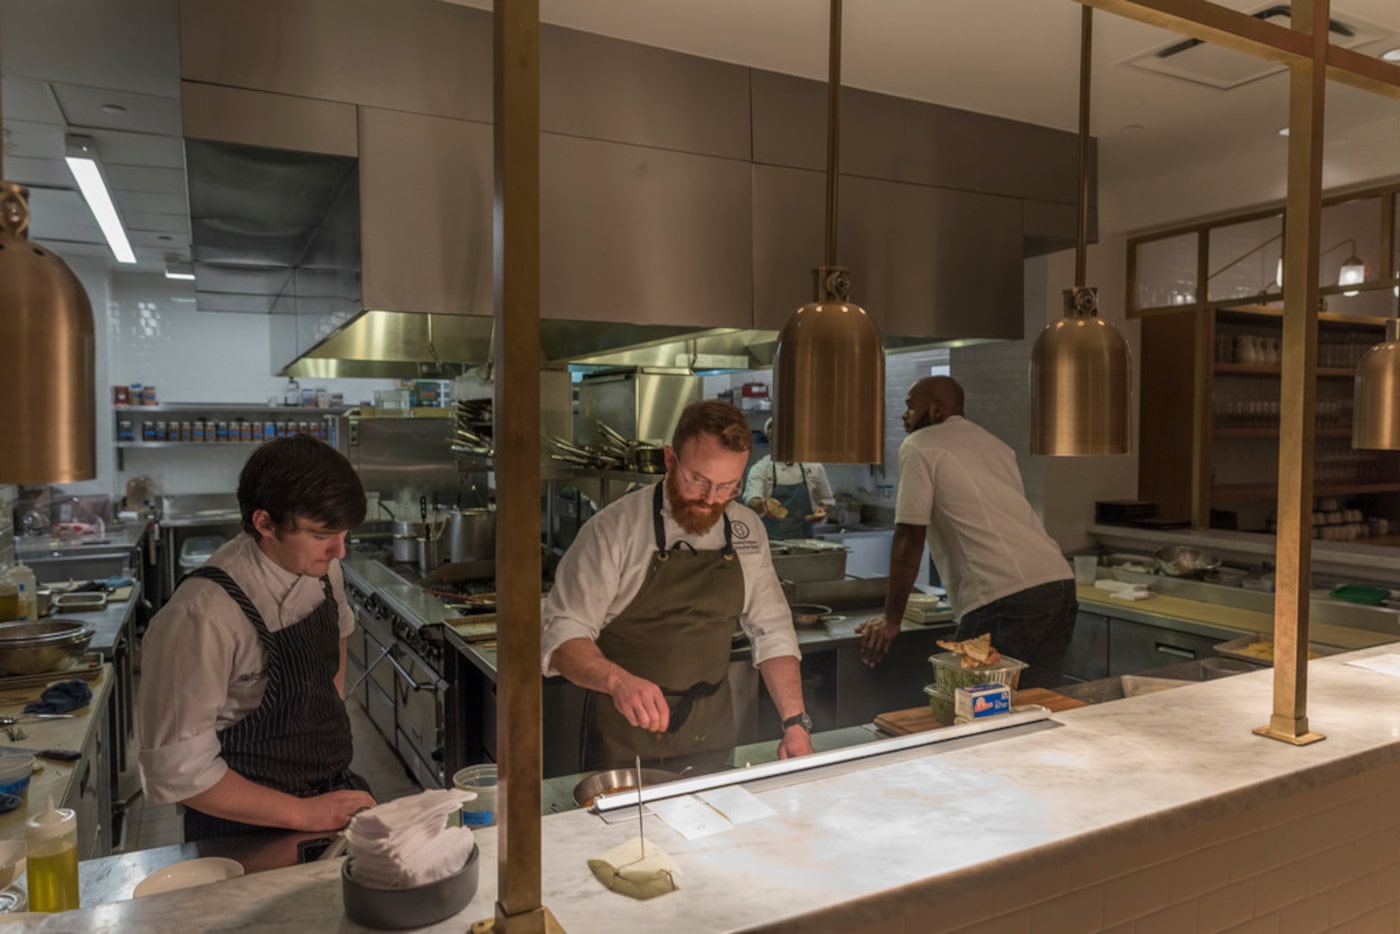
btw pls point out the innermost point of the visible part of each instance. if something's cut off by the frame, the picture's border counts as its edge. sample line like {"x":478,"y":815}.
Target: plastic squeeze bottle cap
{"x":53,"y":823}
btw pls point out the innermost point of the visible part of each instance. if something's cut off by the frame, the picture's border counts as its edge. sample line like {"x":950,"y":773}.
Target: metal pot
{"x":406,"y":535}
{"x":471,"y":534}
{"x":428,"y":555}
{"x":615,"y":780}
{"x":1181,"y":561}
{"x":647,"y":458}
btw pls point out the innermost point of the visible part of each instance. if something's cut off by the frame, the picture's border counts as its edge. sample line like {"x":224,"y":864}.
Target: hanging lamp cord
{"x":1086,"y":47}
{"x":833,"y":128}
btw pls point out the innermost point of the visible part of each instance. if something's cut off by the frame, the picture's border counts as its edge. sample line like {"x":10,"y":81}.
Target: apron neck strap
{"x":660,"y":529}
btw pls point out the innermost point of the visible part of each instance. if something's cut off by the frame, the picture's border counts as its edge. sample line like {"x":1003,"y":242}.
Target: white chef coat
{"x":203,"y":668}
{"x":604,"y":569}
{"x":760,"y":482}
{"x":961,"y":482}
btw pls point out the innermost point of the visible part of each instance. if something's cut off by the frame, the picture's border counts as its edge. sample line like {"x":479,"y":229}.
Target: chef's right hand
{"x":759,"y":505}
{"x":333,"y":810}
{"x":876,"y":637}
{"x":642,"y":703}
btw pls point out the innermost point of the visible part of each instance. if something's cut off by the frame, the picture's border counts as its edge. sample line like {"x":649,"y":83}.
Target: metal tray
{"x":1236,"y":648}
{"x":69,"y":602}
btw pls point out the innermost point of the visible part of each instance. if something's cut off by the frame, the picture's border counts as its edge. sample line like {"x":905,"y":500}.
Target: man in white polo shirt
{"x":960,"y":490}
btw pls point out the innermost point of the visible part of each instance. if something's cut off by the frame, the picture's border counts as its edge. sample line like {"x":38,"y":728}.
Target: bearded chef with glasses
{"x":647,"y":600}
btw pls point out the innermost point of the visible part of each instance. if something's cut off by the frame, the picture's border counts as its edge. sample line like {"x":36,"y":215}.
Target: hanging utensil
{"x":423,"y":509}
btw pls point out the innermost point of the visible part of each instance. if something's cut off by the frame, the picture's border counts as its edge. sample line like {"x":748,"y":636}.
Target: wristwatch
{"x":798,"y":719}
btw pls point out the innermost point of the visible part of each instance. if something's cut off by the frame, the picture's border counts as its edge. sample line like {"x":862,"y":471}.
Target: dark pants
{"x":1033,"y":625}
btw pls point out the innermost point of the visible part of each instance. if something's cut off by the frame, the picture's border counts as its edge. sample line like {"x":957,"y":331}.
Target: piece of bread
{"x":774,"y":508}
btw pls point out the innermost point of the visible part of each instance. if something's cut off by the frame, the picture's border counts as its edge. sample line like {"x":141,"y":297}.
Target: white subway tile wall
{"x":149,"y":332}
{"x":7,"y":526}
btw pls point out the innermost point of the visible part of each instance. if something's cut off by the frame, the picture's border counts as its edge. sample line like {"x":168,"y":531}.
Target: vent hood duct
{"x":1221,"y":68}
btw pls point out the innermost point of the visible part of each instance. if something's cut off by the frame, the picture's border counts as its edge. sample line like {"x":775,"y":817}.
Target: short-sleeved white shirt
{"x":763,"y":472}
{"x":605,"y":567}
{"x":203,"y":667}
{"x":986,"y":541}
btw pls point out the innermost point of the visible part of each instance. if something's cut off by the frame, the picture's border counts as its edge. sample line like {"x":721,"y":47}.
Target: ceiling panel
{"x":119,"y":148}
{"x":159,"y":223}
{"x":147,"y":178}
{"x":56,"y":214}
{"x":145,"y":202}
{"x":38,"y":173}
{"x":140,"y":113}
{"x":28,"y":99}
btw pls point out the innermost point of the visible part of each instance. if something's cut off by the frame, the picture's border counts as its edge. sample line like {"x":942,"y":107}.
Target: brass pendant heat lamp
{"x":1376,"y":410}
{"x":1080,"y":366}
{"x":48,"y":421}
{"x":829,"y":368}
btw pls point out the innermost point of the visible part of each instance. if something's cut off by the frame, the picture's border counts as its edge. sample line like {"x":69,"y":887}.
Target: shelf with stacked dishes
{"x":207,"y":425}
{"x":1211,"y":390}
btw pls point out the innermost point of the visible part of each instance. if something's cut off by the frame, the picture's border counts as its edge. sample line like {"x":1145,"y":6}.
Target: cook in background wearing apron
{"x":646,"y":602}
{"x":240,"y":709}
{"x":798,"y":491}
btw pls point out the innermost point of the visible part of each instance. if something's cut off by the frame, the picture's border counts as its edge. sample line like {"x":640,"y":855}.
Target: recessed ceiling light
{"x":1283,"y":132}
{"x":113,"y":110}
{"x":1133,"y":129}
{"x":1391,"y":56}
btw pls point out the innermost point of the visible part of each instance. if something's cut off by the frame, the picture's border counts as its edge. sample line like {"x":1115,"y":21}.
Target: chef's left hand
{"x":795,"y":742}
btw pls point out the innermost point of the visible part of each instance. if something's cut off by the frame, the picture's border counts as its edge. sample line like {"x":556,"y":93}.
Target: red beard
{"x":695,"y":516}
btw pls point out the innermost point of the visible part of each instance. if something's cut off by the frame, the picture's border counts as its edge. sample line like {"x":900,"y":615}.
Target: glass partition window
{"x":1166,"y":272}
{"x":1245,"y":260}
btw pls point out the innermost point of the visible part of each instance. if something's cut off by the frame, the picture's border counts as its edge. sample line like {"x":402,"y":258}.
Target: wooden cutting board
{"x":919,"y":719}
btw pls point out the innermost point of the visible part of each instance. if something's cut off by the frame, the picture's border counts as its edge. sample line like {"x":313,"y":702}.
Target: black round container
{"x":396,"y":909}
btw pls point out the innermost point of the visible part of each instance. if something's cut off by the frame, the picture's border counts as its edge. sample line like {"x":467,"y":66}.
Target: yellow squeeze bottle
{"x":51,"y":842}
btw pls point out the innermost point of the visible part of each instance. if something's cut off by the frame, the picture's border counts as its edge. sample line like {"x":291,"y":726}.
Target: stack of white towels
{"x":407,"y":843}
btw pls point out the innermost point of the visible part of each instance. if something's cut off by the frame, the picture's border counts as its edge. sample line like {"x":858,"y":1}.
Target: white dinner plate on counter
{"x":187,"y":875}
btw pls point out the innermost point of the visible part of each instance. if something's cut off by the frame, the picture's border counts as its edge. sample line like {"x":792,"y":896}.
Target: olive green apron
{"x":676,"y":633}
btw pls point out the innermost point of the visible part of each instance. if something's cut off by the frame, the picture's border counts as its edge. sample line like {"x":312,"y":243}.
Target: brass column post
{"x":516,"y":418}
{"x":1302,"y":220}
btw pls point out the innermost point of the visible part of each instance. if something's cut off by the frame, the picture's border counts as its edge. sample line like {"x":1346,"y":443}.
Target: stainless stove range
{"x":398,"y":641}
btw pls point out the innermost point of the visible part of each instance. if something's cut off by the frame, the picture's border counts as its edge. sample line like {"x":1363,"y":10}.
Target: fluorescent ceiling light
{"x":82,"y":162}
{"x":178,"y":270}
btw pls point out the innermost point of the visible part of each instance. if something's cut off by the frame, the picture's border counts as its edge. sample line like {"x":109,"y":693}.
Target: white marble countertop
{"x":846,"y":837}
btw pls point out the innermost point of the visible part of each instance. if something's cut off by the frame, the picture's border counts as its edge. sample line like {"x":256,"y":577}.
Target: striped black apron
{"x":297,"y":741}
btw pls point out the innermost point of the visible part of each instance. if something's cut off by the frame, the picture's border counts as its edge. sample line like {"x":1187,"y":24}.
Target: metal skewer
{"x":641,"y":834}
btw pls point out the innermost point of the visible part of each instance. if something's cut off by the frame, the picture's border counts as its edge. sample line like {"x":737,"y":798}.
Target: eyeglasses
{"x":703,"y":487}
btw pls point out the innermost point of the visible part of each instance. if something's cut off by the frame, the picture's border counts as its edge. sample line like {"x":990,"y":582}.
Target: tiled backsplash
{"x":149,"y":332}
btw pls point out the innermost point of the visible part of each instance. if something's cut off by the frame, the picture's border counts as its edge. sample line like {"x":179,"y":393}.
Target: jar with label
{"x":9,"y":600}
{"x":148,"y":431}
{"x":201,"y":428}
{"x":125,"y":430}
{"x":162,"y":429}
{"x":221,"y":431}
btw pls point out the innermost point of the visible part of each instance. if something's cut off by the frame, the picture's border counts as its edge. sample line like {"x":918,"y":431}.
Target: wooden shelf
{"x":1323,"y":317}
{"x":1273,"y":432}
{"x":1255,"y":491}
{"x":1273,"y":369}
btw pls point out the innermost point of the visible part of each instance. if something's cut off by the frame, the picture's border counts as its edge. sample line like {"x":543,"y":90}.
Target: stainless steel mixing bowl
{"x":33,"y":647}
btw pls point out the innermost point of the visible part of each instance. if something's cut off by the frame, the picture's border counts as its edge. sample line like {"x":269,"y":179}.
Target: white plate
{"x":187,"y":875}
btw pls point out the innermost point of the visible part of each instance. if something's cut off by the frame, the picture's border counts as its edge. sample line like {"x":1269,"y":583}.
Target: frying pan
{"x":809,"y":614}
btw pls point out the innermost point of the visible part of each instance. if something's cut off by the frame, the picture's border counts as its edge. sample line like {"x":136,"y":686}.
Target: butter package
{"x":981,"y":700}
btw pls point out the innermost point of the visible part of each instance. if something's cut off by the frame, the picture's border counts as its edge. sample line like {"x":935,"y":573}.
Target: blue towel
{"x":9,"y":803}
{"x":61,"y":698}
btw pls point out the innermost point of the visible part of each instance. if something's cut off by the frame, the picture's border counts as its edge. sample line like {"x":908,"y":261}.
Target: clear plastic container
{"x":949,"y":674}
{"x":15,"y":771}
{"x":940,"y":703}
{"x":482,"y":779}
{"x":51,"y":866}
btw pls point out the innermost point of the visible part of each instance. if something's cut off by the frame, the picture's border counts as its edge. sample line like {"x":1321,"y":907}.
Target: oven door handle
{"x":413,"y":683}
{"x":368,"y":668}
